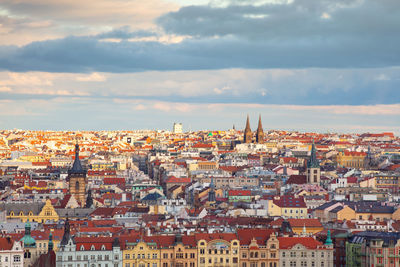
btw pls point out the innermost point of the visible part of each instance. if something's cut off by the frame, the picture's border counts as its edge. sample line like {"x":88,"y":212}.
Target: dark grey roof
{"x":35,"y":207}
{"x":388,"y":238}
{"x":75,"y":213}
{"x":77,"y":166}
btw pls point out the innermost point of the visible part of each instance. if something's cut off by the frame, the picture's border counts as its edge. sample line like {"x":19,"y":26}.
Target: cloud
{"x":281,"y":35}
{"x":94,"y":77}
{"x":254,"y":86}
{"x":125,"y":32}
{"x":222,"y":90}
{"x":5,"y":89}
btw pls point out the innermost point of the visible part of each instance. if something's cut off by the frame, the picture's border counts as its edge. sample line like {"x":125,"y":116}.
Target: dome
{"x":28,"y":240}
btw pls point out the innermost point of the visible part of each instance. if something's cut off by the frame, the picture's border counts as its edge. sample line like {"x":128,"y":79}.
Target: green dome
{"x":28,"y":240}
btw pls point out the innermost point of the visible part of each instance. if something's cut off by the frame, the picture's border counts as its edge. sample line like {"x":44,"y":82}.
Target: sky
{"x":306,"y":65}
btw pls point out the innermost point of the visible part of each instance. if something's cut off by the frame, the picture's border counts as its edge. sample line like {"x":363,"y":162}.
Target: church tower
{"x":313,"y":168}
{"x":77,"y":179}
{"x":260,"y":132}
{"x":248,"y":136}
{"x":211,"y":192}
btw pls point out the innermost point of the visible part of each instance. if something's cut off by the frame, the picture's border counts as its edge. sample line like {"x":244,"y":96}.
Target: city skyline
{"x":326,"y":66}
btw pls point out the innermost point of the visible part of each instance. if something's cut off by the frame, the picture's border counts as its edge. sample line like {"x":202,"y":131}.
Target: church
{"x":248,"y":135}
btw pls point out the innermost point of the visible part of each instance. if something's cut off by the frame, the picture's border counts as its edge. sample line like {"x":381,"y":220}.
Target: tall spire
{"x":328,"y":241}
{"x":247,"y":132}
{"x":313,"y":162}
{"x":211,"y":193}
{"x":67,"y":233}
{"x":51,"y":245}
{"x":247,"y":124}
{"x":77,"y":166}
{"x":260,"y":132}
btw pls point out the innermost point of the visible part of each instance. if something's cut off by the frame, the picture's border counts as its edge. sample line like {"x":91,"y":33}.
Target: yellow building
{"x":351,"y":159}
{"x":288,"y":207}
{"x":258,"y":247}
{"x":217,"y":250}
{"x":143,"y":253}
{"x":178,"y":251}
{"x":34,"y":212}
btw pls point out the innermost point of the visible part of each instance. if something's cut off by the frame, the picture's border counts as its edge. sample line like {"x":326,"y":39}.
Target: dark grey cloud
{"x":357,"y":34}
{"x":302,"y":20}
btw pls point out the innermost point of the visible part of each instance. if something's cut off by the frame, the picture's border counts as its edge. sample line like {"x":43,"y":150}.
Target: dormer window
{"x":92,"y":248}
{"x":82,"y":247}
{"x":103,"y":247}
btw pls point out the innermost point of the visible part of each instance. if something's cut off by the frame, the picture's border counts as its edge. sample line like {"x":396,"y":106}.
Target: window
{"x":244,"y":255}
{"x":17,"y":258}
{"x":78,"y":258}
{"x":127,"y":256}
{"x":127,"y":265}
{"x":293,"y":254}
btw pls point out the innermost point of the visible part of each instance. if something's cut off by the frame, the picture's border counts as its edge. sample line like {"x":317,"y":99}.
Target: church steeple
{"x":313,"y":162}
{"x":211,"y":193}
{"x":77,"y":179}
{"x":260,"y":132}
{"x":313,"y":168}
{"x":248,"y":136}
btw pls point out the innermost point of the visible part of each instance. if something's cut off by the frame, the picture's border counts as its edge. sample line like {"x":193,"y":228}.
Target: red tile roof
{"x":305,"y":222}
{"x":261,"y":235}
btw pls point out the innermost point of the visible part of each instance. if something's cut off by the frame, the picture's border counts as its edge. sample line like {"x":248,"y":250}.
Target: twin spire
{"x":248,"y":135}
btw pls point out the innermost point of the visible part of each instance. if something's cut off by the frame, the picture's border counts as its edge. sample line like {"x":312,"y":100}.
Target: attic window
{"x":103,"y":247}
{"x":82,"y":247}
{"x":92,"y":248}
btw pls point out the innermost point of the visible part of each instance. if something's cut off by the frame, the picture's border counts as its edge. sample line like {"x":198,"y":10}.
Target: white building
{"x":11,"y":253}
{"x":177,"y":128}
{"x":88,"y":251}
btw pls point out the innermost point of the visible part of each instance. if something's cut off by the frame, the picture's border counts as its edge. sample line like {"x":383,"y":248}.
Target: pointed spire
{"x":304,"y":230}
{"x":51,"y":245}
{"x":77,"y":166}
{"x":67,"y":232}
{"x":328,"y":241}
{"x":247,"y":124}
{"x":247,"y":131}
{"x":313,"y":162}
{"x":259,"y":124}
{"x":211,"y":193}
{"x":260,"y":132}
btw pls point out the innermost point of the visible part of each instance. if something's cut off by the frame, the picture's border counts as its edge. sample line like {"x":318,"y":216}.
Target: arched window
{"x":77,"y":185}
